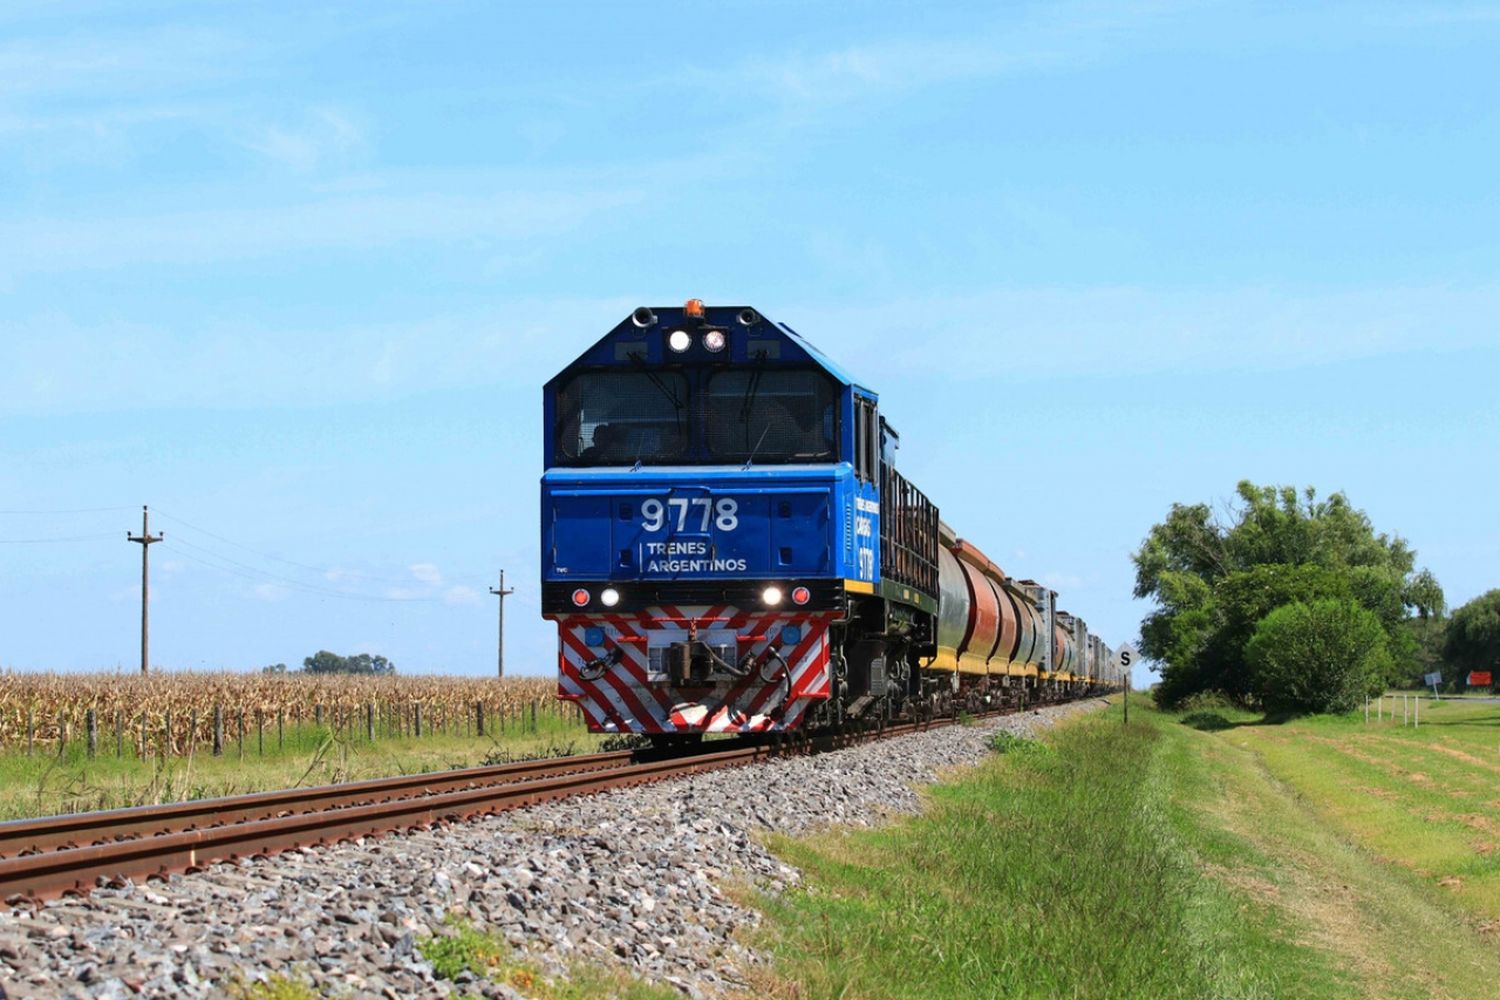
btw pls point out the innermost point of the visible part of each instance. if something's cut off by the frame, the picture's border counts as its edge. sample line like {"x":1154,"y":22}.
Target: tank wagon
{"x":727,"y":546}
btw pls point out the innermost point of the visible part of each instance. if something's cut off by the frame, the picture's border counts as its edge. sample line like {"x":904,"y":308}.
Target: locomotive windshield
{"x":770,"y":416}
{"x":697,"y":415}
{"x":619,"y":418}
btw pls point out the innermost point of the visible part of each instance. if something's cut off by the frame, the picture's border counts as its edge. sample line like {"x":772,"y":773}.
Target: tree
{"x":1316,"y":657}
{"x":1473,"y":639}
{"x":324,"y":662}
{"x":1215,"y":579}
{"x":275,"y":668}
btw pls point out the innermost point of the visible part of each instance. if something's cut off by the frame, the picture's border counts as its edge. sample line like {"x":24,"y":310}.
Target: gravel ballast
{"x":634,"y":877}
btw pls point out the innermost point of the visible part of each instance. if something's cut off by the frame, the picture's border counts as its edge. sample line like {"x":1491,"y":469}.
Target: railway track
{"x":60,"y":855}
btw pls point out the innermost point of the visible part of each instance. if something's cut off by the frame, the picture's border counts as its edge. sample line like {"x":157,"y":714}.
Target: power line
{"x":75,"y":510}
{"x":255,"y":573}
{"x":67,"y":538}
{"x":320,"y":570}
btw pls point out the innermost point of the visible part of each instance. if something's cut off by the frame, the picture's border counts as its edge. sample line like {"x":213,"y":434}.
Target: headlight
{"x":610,"y":597}
{"x":714,"y":340}
{"x":679,"y":340}
{"x":771,"y":595}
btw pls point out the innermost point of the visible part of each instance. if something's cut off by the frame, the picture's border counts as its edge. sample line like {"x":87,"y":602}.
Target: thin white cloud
{"x":271,"y":592}
{"x":1055,"y":35}
{"x":350,"y":222}
{"x":327,"y":135}
{"x":115,"y":63}
{"x":461,"y":595}
{"x":1032,"y":333}
{"x":236,"y":365}
{"x":427,"y":573}
{"x":1003,"y":334}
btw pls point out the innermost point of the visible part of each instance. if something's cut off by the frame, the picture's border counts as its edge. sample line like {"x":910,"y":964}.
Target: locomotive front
{"x":704,"y":515}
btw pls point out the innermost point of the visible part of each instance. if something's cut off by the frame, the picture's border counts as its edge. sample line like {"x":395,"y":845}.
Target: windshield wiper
{"x":663,"y":388}
{"x":748,"y":403}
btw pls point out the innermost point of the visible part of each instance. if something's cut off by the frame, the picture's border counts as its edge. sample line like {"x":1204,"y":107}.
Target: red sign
{"x":1479,"y":678}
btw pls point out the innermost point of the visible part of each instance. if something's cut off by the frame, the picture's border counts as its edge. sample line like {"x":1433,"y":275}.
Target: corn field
{"x":178,"y":713}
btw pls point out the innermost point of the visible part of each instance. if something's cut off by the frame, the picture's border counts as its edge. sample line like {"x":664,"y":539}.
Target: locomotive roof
{"x":793,"y":347}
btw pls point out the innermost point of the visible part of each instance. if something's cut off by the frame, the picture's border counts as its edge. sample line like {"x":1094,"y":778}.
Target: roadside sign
{"x":1126,"y":656}
{"x":1479,"y":678}
{"x":1433,"y":679}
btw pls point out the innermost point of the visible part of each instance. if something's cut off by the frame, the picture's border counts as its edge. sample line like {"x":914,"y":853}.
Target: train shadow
{"x":1213,"y":722}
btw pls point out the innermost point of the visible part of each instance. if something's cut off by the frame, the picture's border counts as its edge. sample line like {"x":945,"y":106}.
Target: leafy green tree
{"x":1316,"y":657}
{"x":1473,"y":639}
{"x":324,"y":662}
{"x":1216,"y":578}
{"x":275,"y":668}
{"x":1426,"y":637}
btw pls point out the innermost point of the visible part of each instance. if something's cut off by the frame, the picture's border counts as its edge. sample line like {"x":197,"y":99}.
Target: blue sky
{"x":294,"y":275}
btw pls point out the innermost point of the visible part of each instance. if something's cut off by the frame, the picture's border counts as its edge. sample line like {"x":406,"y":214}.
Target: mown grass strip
{"x":1077,"y":872}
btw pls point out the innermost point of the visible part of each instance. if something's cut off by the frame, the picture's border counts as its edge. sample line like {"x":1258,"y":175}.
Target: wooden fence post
{"x":218,"y":730}
{"x":30,"y":731}
{"x":370,"y":722}
{"x":479,"y":718}
{"x":280,"y":729}
{"x":533,"y":716}
{"x":242,"y":731}
{"x":416,"y":716}
{"x":62,"y":732}
{"x":91,"y":727}
{"x":166,"y":750}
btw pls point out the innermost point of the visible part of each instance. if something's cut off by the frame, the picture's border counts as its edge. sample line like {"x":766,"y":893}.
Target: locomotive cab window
{"x":619,"y":418}
{"x":770,"y":415}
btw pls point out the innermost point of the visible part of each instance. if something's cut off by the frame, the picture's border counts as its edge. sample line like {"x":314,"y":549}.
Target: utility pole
{"x":145,"y":539}
{"x":500,"y":592}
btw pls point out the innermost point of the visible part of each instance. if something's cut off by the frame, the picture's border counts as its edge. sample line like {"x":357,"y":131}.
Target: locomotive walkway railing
{"x":908,"y":534}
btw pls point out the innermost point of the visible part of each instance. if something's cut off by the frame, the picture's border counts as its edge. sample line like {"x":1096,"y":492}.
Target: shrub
{"x":1007,"y":742}
{"x":1207,"y":701}
{"x":1320,"y":656}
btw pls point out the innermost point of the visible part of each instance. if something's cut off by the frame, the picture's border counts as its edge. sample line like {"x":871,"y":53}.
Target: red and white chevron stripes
{"x":627,"y":699}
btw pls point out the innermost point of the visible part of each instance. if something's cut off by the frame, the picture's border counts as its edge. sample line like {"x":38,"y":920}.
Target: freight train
{"x":727,"y":546}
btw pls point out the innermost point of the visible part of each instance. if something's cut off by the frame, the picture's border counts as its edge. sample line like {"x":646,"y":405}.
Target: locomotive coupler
{"x":692,"y":663}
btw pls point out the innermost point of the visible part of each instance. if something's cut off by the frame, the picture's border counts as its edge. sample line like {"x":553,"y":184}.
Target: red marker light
{"x":580,"y":597}
{"x":693,"y":308}
{"x":801,"y":595}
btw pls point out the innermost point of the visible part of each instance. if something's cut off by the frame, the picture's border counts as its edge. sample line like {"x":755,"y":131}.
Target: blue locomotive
{"x":728,"y":547}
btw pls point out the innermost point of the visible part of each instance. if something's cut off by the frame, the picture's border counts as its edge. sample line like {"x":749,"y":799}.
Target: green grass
{"x":46,"y":783}
{"x":466,"y":947}
{"x":276,"y":987}
{"x":1425,"y":799}
{"x":1162,"y":860}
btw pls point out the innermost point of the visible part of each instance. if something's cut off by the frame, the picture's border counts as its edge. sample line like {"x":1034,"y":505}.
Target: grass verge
{"x":1156,"y":861}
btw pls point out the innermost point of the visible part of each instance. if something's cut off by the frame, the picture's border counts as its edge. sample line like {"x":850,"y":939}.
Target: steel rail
{"x":47,"y":833}
{"x":143,"y":843}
